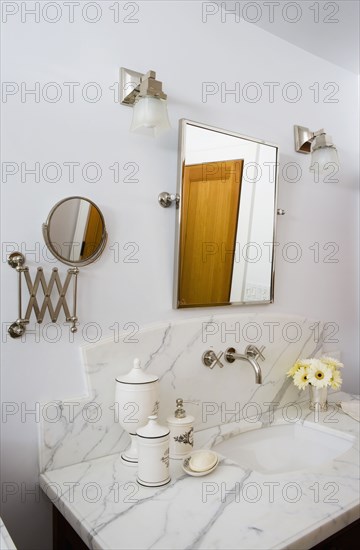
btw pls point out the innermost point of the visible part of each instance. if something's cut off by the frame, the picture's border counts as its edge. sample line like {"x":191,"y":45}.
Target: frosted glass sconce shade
{"x":323,"y":157}
{"x":150,"y":116}
{"x":323,"y":152}
{"x":319,"y":144}
{"x":145,"y":94}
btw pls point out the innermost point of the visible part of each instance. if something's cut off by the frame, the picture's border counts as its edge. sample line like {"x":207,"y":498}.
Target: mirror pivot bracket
{"x":167,"y":199}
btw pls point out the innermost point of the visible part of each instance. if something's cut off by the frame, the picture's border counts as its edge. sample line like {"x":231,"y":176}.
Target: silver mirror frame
{"x":46,"y":235}
{"x":181,"y":161}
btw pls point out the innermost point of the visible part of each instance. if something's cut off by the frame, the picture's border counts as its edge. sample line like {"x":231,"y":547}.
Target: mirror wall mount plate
{"x":75,"y":233}
{"x":226,"y":222}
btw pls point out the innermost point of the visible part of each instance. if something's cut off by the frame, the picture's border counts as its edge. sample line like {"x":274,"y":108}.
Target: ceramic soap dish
{"x":200,"y":463}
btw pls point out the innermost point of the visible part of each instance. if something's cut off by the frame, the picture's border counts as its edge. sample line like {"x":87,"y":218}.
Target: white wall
{"x":170,"y":38}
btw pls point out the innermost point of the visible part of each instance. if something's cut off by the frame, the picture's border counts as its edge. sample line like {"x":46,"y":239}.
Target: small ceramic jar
{"x":137,"y":397}
{"x":153,"y":447}
{"x":181,"y":432}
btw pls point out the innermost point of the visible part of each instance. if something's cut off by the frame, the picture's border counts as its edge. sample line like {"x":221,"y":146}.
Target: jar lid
{"x":137,"y":375}
{"x":152,"y":430}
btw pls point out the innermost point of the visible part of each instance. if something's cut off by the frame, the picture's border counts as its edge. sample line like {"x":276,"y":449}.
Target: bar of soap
{"x":202,"y":461}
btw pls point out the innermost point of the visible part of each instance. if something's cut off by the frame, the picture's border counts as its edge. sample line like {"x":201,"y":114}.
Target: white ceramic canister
{"x":153,"y":447}
{"x":136,"y":397}
{"x":181,"y":432}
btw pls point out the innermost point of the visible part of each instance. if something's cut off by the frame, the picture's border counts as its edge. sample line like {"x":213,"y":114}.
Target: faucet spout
{"x":257,"y":369}
{"x":250,"y":356}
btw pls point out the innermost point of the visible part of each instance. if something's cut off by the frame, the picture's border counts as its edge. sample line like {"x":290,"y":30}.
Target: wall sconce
{"x":144,"y":93}
{"x":319,"y":144}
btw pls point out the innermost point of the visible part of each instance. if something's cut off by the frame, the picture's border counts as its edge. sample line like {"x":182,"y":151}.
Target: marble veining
{"x":74,"y":430}
{"x":230,"y":508}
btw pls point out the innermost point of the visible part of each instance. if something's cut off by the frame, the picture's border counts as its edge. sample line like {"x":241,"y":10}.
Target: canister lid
{"x":137,"y":375}
{"x":152,"y":430}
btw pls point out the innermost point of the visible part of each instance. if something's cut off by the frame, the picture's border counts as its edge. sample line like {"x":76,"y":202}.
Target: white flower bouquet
{"x":319,"y":373}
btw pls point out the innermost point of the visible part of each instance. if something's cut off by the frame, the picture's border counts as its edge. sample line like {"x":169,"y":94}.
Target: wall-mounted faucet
{"x":252,"y":353}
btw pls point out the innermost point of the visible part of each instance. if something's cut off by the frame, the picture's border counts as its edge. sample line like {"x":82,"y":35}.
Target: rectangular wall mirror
{"x":225,"y":228}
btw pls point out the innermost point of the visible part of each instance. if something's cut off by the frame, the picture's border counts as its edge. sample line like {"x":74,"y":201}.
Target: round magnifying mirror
{"x":75,"y":231}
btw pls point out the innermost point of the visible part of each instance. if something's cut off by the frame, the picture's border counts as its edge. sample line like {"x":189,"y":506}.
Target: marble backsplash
{"x":73,"y":431}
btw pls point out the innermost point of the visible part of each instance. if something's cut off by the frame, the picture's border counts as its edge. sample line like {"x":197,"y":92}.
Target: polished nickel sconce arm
{"x":134,"y":84}
{"x":319,"y":144}
{"x":16,"y":260}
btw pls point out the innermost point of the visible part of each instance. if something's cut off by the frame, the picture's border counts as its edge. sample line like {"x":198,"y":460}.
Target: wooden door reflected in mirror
{"x":210,"y":192}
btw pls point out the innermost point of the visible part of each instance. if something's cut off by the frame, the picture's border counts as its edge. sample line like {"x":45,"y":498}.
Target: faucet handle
{"x":210,"y":359}
{"x":255,"y":352}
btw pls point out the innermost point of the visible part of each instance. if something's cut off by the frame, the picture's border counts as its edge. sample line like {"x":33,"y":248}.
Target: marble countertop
{"x":229,"y":508}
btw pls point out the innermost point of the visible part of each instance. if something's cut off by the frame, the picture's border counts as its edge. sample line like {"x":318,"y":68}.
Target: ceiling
{"x":331,"y":32}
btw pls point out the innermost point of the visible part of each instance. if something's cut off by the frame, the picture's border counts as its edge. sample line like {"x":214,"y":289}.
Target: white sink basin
{"x":285,"y":448}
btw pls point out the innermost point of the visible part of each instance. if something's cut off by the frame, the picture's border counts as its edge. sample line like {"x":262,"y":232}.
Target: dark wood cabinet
{"x":64,"y":536}
{"x":346,"y":539}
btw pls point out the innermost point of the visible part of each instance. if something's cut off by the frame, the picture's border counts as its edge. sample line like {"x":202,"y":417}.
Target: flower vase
{"x":318,"y":398}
